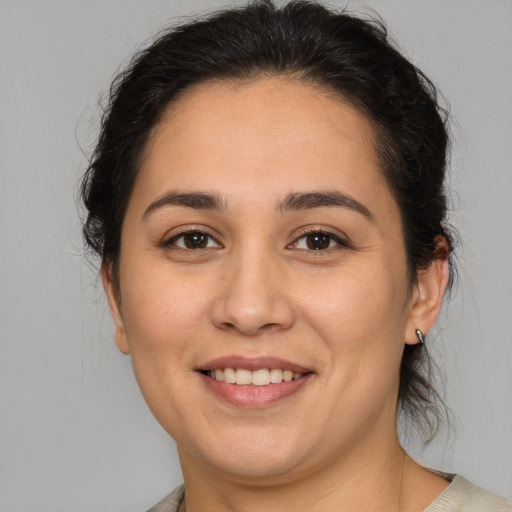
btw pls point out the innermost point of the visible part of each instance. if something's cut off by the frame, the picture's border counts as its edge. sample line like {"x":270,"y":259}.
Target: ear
{"x":428,"y":293}
{"x":114,"y":303}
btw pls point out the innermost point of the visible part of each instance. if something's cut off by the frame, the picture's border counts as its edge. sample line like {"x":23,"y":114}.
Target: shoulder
{"x":459,"y":496}
{"x":463,"y":496}
{"x":171,"y":502}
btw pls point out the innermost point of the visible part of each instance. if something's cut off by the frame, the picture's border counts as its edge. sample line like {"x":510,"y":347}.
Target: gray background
{"x":75,"y":434}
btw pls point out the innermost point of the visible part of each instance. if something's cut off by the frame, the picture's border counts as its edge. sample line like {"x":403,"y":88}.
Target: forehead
{"x":278,"y":132}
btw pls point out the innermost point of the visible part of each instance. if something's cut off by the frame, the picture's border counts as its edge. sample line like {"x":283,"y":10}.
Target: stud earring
{"x":421,"y":336}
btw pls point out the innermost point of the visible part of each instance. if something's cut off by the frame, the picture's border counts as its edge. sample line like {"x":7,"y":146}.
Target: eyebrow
{"x":195,"y":200}
{"x":293,"y":201}
{"x":309,"y":200}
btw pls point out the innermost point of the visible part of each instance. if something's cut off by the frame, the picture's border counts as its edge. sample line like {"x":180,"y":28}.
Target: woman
{"x":267,"y":200}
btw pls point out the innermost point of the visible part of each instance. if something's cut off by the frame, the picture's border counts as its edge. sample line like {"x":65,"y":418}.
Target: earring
{"x":421,"y":336}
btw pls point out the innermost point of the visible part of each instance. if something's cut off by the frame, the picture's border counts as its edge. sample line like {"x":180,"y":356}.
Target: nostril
{"x":228,"y":326}
{"x":252,"y":330}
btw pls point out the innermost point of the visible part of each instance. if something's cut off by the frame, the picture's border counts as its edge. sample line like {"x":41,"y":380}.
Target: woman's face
{"x":261,"y":235}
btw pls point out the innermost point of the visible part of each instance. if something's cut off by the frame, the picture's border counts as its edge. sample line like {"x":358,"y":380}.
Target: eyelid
{"x":338,"y":236}
{"x":170,"y":237}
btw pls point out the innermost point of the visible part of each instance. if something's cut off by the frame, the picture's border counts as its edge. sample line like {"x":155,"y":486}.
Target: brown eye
{"x":195,"y":240}
{"x":192,"y":240}
{"x":318,"y":241}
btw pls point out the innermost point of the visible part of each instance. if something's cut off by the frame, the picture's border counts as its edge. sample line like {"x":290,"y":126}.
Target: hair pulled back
{"x":340,"y":52}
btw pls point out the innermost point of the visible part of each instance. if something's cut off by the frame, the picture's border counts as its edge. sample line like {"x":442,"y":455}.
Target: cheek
{"x":355,"y":302}
{"x":164,"y":313}
{"x":360,"y":315}
{"x":164,"y":309}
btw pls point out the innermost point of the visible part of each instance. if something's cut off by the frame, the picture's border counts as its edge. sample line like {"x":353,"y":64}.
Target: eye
{"x":318,"y":241}
{"x":192,"y":240}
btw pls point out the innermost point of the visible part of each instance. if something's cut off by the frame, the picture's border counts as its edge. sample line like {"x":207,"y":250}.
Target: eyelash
{"x":330,"y":237}
{"x":170,"y":242}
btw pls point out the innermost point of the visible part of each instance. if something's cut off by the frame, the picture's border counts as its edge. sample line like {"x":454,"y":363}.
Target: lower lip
{"x":254,"y":396}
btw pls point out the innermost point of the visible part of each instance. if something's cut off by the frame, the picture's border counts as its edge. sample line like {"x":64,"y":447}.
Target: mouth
{"x":253,"y":382}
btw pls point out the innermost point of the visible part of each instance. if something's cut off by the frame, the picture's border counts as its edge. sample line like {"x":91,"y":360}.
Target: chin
{"x":260,"y":467}
{"x":254,"y":455}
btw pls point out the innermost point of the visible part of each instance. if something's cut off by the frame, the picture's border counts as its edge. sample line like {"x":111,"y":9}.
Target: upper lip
{"x":253,"y":363}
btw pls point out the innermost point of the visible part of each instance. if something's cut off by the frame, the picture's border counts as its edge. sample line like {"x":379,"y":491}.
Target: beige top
{"x":459,"y":496}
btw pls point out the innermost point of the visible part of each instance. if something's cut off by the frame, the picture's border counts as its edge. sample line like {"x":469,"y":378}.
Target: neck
{"x":367,"y":479}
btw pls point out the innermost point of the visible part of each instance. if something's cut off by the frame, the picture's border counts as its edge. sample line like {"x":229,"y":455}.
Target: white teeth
{"x":287,"y":375}
{"x":229,"y":376}
{"x":261,"y":377}
{"x":243,"y":377}
{"x":276,"y":376}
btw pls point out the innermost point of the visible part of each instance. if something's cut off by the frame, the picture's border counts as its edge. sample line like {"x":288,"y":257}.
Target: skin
{"x":256,"y":289}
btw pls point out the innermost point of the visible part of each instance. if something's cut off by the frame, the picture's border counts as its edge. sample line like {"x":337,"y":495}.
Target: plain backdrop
{"x":75,"y":434}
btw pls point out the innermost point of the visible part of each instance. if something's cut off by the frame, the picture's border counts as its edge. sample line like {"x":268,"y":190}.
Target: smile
{"x":254,"y":382}
{"x":246,"y":377}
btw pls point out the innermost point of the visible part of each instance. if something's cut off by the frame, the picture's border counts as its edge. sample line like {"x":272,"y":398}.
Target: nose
{"x":253,"y":297}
